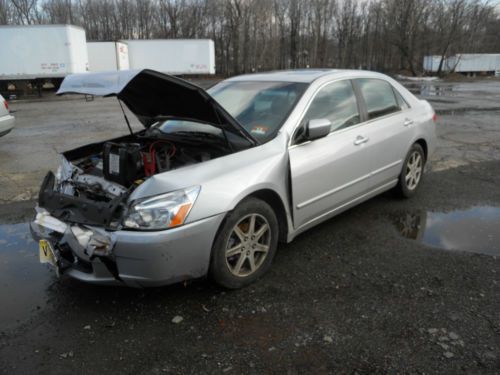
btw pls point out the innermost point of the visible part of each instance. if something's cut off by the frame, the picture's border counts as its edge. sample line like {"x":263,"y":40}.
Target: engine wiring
{"x":151,"y":161}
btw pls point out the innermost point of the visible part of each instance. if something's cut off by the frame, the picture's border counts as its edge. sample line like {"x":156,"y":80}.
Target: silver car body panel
{"x":6,"y":124}
{"x":227,"y":180}
{"x":314,"y":181}
{"x":326,"y":174}
{"x":6,"y":119}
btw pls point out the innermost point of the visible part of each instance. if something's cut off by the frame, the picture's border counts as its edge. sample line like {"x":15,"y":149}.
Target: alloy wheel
{"x":414,"y":167}
{"x":248,"y":245}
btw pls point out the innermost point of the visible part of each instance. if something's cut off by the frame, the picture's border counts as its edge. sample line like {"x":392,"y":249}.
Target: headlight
{"x":163,"y":211}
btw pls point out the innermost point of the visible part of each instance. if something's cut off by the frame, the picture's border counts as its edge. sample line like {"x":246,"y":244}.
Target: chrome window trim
{"x":367,"y":122}
{"x":313,"y":96}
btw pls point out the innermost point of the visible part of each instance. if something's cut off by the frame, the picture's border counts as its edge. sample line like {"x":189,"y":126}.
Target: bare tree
{"x":5,"y":12}
{"x":26,"y":10}
{"x":249,"y":35}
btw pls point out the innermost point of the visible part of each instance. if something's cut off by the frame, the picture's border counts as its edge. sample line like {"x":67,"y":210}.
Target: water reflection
{"x":430,"y":89}
{"x":23,"y":281}
{"x":476,"y":229}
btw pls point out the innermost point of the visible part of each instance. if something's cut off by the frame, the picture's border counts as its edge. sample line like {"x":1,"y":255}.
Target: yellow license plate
{"x":47,"y":253}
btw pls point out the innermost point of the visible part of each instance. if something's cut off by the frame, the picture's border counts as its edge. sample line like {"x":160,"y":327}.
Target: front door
{"x":329,"y":172}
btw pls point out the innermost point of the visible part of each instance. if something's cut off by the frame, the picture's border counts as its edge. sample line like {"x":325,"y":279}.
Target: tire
{"x":241,"y":255}
{"x":412,"y":172}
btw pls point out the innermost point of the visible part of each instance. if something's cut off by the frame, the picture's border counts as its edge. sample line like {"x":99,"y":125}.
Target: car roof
{"x":303,"y":75}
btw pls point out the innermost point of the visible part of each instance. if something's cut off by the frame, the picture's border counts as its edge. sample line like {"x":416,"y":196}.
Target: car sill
{"x":324,"y":216}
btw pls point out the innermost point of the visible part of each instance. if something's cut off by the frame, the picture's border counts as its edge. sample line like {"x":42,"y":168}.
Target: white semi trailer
{"x":466,"y":63}
{"x":41,"y":52}
{"x":173,"y":56}
{"x":107,"y":56}
{"x":431,"y":63}
{"x":475,"y":62}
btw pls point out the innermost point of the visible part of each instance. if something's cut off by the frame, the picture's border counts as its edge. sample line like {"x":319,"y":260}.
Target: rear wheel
{"x":245,"y":244}
{"x":412,"y":172}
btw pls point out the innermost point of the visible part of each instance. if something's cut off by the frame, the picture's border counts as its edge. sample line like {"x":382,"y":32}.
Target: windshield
{"x":261,"y":107}
{"x":175,"y":126}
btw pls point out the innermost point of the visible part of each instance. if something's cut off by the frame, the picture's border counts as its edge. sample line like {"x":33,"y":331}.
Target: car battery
{"x":122,"y":163}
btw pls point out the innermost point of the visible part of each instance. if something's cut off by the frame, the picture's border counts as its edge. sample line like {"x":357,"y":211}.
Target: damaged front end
{"x":62,"y":204}
{"x":84,"y":251}
{"x":87,"y":224}
{"x":75,"y":217}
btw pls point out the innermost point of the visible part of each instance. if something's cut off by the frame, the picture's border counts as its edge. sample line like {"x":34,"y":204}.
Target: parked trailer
{"x":173,"y":56}
{"x":431,"y":63}
{"x":107,"y":56}
{"x":37,"y":52}
{"x":475,"y":63}
{"x":464,"y":63}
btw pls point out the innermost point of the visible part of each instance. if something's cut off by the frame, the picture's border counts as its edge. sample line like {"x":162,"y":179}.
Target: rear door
{"x":391,"y":128}
{"x":331,"y":171}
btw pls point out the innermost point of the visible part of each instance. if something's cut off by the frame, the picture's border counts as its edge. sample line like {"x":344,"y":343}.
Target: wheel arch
{"x":423,"y":143}
{"x":273,"y":199}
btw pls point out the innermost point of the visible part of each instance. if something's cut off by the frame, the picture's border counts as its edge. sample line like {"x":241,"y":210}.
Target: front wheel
{"x":245,"y":244}
{"x":412,"y":172}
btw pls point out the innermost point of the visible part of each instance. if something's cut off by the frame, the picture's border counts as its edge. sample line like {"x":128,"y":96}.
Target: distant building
{"x":466,"y":63}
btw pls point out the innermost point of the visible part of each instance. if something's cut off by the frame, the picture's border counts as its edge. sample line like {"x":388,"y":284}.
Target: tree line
{"x":259,"y":35}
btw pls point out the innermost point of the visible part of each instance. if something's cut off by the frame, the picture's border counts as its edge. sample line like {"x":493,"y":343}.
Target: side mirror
{"x":318,"y":128}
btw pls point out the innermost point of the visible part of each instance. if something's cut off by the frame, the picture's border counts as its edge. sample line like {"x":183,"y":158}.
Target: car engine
{"x":94,"y":181}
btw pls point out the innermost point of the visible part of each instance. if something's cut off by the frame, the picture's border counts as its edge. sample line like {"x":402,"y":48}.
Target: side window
{"x":337,"y":103}
{"x":379,"y":97}
{"x":401,"y":101}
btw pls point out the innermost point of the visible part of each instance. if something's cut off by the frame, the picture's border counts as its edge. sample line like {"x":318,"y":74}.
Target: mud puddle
{"x":431,"y":90}
{"x":465,"y":89}
{"x":476,"y":229}
{"x":468,"y":110}
{"x":24,"y":282}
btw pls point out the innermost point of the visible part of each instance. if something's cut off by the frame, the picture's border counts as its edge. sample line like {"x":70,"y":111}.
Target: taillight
{"x":6,"y":105}
{"x":434,"y":117}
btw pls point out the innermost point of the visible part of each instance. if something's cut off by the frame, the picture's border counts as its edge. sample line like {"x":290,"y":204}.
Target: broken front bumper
{"x":132,"y":258}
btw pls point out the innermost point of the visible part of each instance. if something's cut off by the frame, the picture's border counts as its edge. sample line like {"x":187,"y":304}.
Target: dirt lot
{"x":350,"y":296}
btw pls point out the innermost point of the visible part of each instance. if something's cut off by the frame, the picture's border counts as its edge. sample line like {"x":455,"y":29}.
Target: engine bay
{"x":127,"y":163}
{"x":94,"y":181}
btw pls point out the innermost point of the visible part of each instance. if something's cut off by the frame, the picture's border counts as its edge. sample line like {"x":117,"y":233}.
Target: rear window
{"x":401,"y":101}
{"x":379,"y":97}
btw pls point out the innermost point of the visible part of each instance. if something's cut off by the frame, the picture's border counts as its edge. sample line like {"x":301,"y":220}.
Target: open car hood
{"x":150,"y":94}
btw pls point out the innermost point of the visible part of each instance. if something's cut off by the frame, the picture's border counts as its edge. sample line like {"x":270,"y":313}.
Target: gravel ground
{"x":350,"y":296}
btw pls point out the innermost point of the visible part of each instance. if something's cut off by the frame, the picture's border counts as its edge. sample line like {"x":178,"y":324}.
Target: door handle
{"x":360,"y":140}
{"x":408,"y":122}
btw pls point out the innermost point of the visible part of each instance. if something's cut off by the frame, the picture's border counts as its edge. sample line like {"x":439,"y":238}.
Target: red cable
{"x":150,"y":168}
{"x":173,"y":148}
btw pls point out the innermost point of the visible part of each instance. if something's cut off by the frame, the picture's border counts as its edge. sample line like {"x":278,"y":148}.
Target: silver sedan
{"x":218,"y":177}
